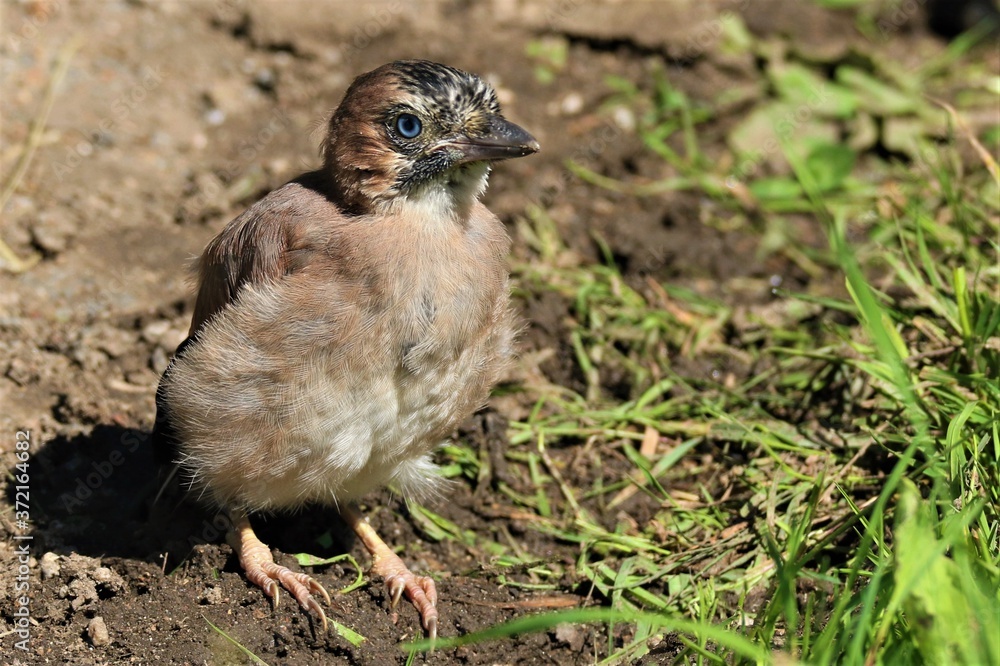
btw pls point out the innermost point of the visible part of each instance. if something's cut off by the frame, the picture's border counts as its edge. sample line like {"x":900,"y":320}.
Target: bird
{"x":347,"y":322}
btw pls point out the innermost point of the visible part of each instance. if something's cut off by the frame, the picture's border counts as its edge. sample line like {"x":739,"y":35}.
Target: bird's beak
{"x":503,"y":140}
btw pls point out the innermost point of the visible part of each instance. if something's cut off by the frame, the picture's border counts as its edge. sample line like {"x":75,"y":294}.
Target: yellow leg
{"x":420,"y":590}
{"x":262,"y":571}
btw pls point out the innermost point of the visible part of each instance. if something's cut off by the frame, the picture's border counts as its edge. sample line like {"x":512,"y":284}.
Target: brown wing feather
{"x":252,"y":249}
{"x":274,"y":237}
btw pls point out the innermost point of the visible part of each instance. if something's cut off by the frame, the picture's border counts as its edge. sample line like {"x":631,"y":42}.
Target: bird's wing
{"x":271,"y":239}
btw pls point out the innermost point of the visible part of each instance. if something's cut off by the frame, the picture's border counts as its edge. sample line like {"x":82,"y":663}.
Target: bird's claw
{"x":318,"y":610}
{"x":399,"y":580}
{"x":431,"y":626}
{"x":396,"y":587}
{"x":271,"y":577}
{"x":302,"y":586}
{"x":421,"y":592}
{"x":273,"y":592}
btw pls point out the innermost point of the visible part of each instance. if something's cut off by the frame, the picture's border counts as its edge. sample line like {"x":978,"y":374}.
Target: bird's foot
{"x":420,"y":590}
{"x":262,"y":571}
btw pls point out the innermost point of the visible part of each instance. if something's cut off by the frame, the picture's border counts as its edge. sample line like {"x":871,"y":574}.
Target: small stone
{"x":279,"y":165}
{"x":154,"y":330}
{"x":22,"y":372}
{"x":142,"y":377}
{"x":215,"y":117}
{"x":53,"y":230}
{"x":85,"y":148}
{"x":97,"y":632}
{"x":572,"y":104}
{"x":88,"y":358}
{"x":83,"y":591}
{"x":210,"y":192}
{"x":210,"y":595}
{"x":113,"y":341}
{"x":172,"y":339}
{"x":49,"y":565}
{"x":102,"y":575}
{"x":265,"y":79}
{"x":569,"y":634}
{"x":158,"y":361}
{"x":75,"y":565}
{"x":624,"y":118}
{"x":20,"y":206}
{"x":108,"y":579}
{"x":506,"y":96}
{"x":164,"y":334}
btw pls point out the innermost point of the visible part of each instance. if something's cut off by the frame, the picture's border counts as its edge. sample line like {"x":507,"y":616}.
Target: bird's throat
{"x":449,"y":197}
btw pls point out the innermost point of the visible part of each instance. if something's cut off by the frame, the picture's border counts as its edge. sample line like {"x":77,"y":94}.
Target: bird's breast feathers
{"x":294,"y":402}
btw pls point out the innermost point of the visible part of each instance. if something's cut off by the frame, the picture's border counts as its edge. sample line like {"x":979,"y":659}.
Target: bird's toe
{"x":261,"y":570}
{"x":301,"y":586}
{"x":431,"y":626}
{"x":396,"y":587}
{"x":422,"y":593}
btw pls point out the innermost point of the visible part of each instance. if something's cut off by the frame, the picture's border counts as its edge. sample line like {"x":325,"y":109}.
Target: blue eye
{"x":408,"y":125}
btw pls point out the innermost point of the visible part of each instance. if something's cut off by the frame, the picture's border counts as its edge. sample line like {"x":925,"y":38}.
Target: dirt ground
{"x":170,"y":118}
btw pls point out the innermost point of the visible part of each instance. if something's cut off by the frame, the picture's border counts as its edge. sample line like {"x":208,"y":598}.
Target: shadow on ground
{"x":99,"y":495}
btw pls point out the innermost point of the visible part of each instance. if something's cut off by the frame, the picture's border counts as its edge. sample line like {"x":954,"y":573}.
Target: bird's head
{"x":417,"y":132}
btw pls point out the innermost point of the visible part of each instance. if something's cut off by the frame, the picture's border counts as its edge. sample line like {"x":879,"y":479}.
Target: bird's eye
{"x":408,"y":125}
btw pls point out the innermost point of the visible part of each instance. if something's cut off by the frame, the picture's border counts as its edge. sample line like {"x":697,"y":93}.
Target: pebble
{"x":211,"y":595}
{"x":53,"y":230}
{"x":570,"y":635}
{"x":265,"y":79}
{"x":83,"y":591}
{"x":77,"y":565}
{"x":158,"y":361}
{"x":20,"y":206}
{"x":165,"y":334}
{"x":624,"y":118}
{"x":97,"y":632}
{"x":572,"y":104}
{"x":87,"y":357}
{"x":49,"y":565}
{"x":215,"y":117}
{"x":22,"y":372}
{"x":113,"y":341}
{"x":154,"y":330}
{"x":106,"y":576}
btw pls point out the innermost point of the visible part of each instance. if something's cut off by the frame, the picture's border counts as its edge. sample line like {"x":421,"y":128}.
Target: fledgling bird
{"x":346,"y":323}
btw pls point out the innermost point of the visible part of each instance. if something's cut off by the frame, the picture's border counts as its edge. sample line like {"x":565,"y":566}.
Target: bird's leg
{"x":262,"y":571}
{"x":419,"y":590}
